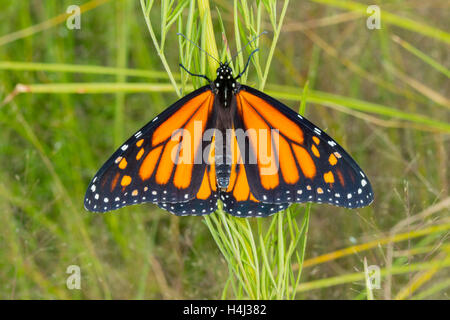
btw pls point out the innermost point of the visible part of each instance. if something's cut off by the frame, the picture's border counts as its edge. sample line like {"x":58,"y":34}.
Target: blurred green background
{"x":382,"y":93}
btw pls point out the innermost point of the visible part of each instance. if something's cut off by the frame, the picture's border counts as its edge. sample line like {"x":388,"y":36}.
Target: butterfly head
{"x":224,"y":73}
{"x":225,"y":79}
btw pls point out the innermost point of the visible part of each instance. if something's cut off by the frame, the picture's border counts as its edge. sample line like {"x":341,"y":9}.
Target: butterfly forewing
{"x":295,"y":160}
{"x":161,"y":163}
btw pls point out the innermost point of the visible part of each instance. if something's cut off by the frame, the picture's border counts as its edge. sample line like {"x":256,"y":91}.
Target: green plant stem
{"x":210,"y":41}
{"x":76,"y":68}
{"x":391,"y":18}
{"x":358,"y":276}
{"x":146,"y":12}
{"x":422,"y":56}
{"x":273,"y":46}
{"x":288,"y":93}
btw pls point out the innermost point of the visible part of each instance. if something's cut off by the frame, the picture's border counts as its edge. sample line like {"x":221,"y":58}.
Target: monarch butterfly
{"x":167,"y":162}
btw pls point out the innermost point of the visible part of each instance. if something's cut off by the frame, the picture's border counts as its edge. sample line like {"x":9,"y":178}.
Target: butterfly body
{"x":224,"y":87}
{"x":230,"y":142}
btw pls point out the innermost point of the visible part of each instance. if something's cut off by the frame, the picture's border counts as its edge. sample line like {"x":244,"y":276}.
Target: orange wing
{"x":238,"y":199}
{"x":205,"y":200}
{"x":161,"y":163}
{"x":288,"y":159}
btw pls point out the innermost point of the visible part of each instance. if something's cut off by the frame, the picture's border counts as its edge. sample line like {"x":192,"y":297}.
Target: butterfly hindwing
{"x":161,"y":163}
{"x":205,"y":201}
{"x":293,"y":160}
{"x":238,"y":198}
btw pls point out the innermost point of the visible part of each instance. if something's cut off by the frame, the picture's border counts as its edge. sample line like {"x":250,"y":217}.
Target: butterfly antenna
{"x":194,"y":74}
{"x":180,"y":34}
{"x":248,"y":43}
{"x":246,"y":65}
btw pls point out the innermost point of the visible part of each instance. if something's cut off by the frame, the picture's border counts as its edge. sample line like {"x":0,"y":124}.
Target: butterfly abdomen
{"x":223,"y":160}
{"x":223,"y":173}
